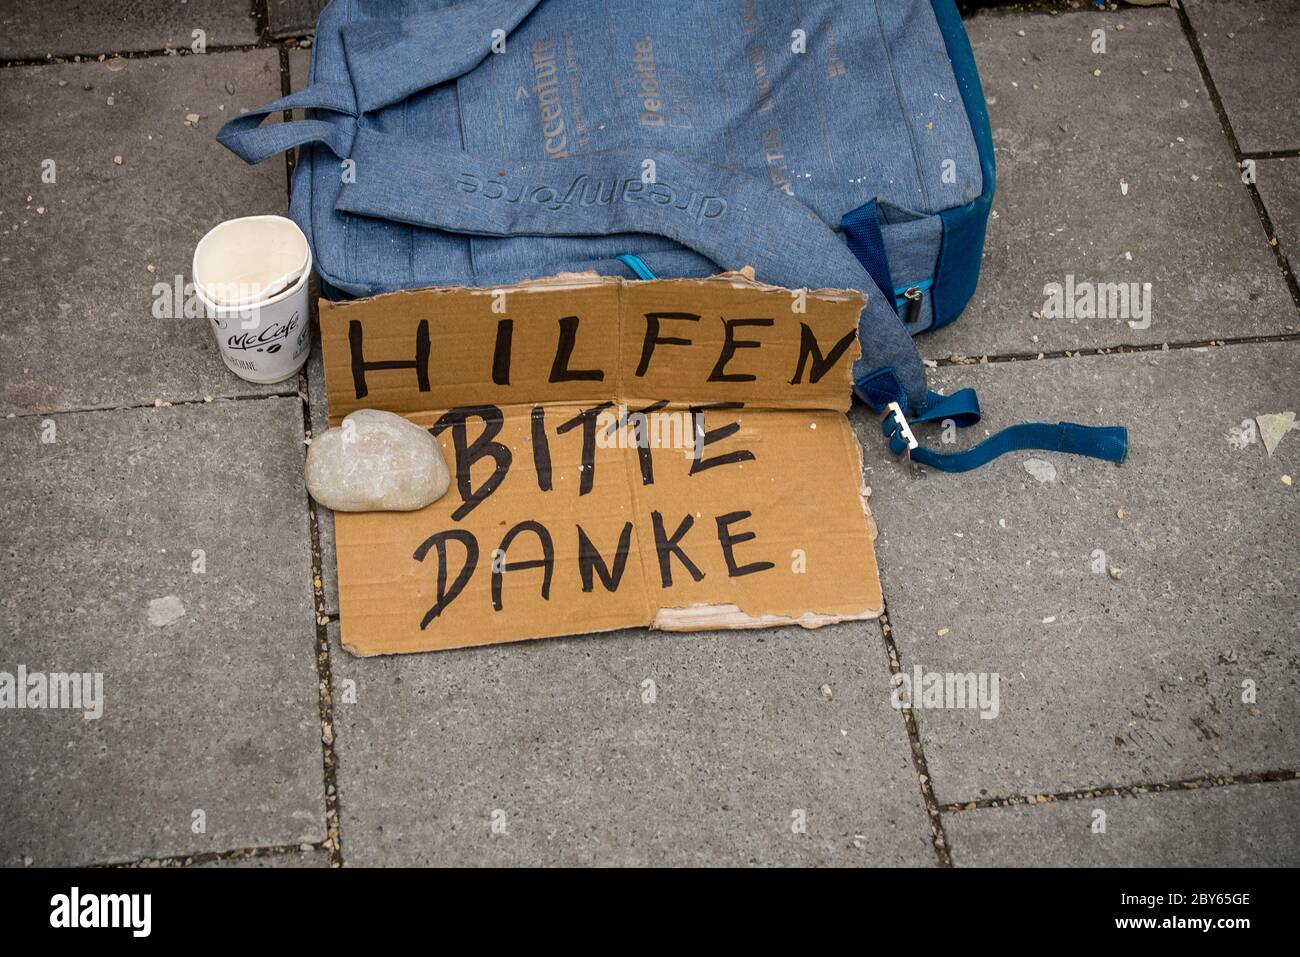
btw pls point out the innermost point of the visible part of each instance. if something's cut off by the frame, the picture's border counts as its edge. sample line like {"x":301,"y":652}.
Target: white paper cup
{"x":251,"y":276}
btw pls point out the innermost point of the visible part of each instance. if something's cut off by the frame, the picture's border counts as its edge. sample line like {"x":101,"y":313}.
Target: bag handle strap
{"x":725,"y":215}
{"x":245,"y":136}
{"x":389,"y":60}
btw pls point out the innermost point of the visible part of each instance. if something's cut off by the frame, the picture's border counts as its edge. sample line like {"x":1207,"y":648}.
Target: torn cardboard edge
{"x":560,"y":522}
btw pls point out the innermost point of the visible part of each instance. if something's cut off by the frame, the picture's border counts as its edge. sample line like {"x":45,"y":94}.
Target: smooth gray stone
{"x":1238,"y":825}
{"x":216,"y":711}
{"x":1256,"y":70}
{"x":77,"y":322}
{"x":376,"y":461}
{"x":555,"y":736}
{"x":35,"y":29}
{"x":1104,"y":681}
{"x":1066,"y":141}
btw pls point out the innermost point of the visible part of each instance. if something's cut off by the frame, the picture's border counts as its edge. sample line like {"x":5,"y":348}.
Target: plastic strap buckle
{"x":895,"y":424}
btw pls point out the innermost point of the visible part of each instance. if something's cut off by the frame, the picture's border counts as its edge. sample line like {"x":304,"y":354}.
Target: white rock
{"x":376,"y":462}
{"x":1040,"y":469}
{"x":163,"y":611}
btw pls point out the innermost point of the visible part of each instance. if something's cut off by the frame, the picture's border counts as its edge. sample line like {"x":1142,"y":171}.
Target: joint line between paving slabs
{"x":214,"y":857}
{"x":261,"y":16}
{"x":1212,"y":89}
{"x":157,"y":404}
{"x":962,"y":360}
{"x":261,"y":13}
{"x":932,"y":809}
{"x":1270,"y":154}
{"x":324,"y":678}
{"x":324,"y":672}
{"x":73,"y":59}
{"x":290,"y":155}
{"x":1123,"y":790}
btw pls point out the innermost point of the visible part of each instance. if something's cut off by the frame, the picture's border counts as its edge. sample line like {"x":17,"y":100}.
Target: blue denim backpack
{"x":826,"y":143}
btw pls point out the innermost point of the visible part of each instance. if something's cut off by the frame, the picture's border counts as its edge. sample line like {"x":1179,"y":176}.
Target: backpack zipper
{"x":637,"y":265}
{"x":909,"y":299}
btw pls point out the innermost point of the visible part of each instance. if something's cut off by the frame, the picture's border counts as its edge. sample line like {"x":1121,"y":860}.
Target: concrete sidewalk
{"x":1142,"y":620}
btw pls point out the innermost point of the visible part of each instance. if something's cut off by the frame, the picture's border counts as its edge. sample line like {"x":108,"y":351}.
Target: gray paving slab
{"x":84,"y":259}
{"x":1243,"y":825}
{"x":209,"y":689}
{"x":1103,"y":680}
{"x":554,"y":740}
{"x":1125,"y":177}
{"x":1252,"y":48}
{"x":36,"y":29}
{"x":1279,"y":186}
{"x":288,"y":18}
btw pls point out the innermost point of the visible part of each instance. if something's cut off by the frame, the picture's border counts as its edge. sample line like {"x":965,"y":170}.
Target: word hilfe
{"x":808,"y":356}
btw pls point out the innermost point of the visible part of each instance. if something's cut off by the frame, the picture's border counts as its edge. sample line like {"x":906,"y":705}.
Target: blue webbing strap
{"x":862,"y":233}
{"x":1109,"y":443}
{"x":963,"y":407}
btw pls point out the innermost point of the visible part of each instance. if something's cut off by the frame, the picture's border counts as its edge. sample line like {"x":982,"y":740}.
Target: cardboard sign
{"x":668,"y":453}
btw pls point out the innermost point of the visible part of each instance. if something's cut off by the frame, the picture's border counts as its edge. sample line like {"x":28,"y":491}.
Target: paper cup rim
{"x":256,"y":303}
{"x":304,"y":268}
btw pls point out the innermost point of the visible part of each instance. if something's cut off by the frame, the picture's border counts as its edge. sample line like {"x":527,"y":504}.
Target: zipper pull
{"x":913,"y":296}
